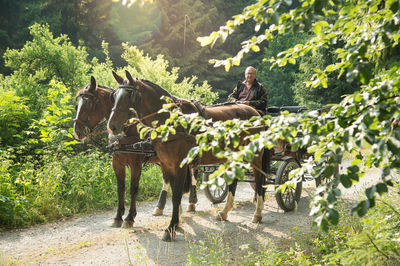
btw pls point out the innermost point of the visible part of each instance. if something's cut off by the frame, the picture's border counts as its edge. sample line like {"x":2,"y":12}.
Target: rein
{"x":93,"y":132}
{"x":177,"y":103}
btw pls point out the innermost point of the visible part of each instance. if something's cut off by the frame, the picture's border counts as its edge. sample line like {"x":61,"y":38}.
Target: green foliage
{"x":83,"y":21}
{"x":371,"y":240}
{"x":182,"y":22}
{"x":319,"y":96}
{"x":102,"y":71}
{"x":56,"y":125}
{"x":368,"y":41}
{"x":36,"y":191}
{"x":279,"y":81}
{"x":150,"y":183}
{"x":14,"y":115}
{"x":211,"y":250}
{"x":156,"y":70}
{"x":43,"y":59}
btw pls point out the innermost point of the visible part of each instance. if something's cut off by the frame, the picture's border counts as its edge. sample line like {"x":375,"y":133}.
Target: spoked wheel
{"x":288,"y":199}
{"x":213,"y":193}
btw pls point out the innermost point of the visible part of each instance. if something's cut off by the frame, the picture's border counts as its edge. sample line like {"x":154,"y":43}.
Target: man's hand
{"x":244,"y":102}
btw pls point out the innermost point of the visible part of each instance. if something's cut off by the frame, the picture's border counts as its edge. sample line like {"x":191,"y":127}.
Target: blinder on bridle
{"x":91,"y":101}
{"x":134,"y":94}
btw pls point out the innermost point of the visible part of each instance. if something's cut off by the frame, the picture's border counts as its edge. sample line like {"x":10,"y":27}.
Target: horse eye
{"x":76,"y":107}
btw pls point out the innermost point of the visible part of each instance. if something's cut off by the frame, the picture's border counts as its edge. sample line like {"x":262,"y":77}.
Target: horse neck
{"x":150,"y":103}
{"x":104,"y":98}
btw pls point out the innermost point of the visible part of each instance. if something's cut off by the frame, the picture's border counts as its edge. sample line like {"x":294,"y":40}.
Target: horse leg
{"x":136,"y":170}
{"x":193,"y":192}
{"x":260,"y":190}
{"x":162,"y":199}
{"x":265,"y":163}
{"x":177,"y":182}
{"x":119,"y":170}
{"x":223,"y":214}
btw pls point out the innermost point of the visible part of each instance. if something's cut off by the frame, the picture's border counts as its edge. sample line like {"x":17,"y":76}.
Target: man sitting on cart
{"x":250,"y":91}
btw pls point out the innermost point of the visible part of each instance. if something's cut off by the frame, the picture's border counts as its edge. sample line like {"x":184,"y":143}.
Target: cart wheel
{"x":287,"y":200}
{"x":213,"y":193}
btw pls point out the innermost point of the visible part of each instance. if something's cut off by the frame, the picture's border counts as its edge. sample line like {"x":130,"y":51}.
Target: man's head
{"x":250,"y":74}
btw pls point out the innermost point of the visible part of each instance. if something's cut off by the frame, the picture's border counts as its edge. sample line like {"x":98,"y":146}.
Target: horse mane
{"x":107,"y":88}
{"x":156,"y":86}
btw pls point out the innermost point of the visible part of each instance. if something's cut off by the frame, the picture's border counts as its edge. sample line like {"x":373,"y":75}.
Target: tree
{"x":279,"y":81}
{"x":41,"y":60}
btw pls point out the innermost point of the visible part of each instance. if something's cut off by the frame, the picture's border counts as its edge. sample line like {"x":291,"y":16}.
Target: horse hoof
{"x":221,"y":216}
{"x":117,"y":223}
{"x":127,"y":224}
{"x":168,"y":235}
{"x":256,"y":219}
{"x":191,"y":207}
{"x":158,"y":212}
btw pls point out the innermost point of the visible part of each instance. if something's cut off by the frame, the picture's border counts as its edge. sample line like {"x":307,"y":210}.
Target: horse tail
{"x":188,"y":181}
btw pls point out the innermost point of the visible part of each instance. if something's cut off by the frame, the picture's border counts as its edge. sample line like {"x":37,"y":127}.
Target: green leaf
{"x":204,"y":41}
{"x":370,"y":192}
{"x":333,"y":216}
{"x":153,"y":134}
{"x":346,"y":181}
{"x":255,"y":48}
{"x":381,"y":188}
{"x":361,"y":208}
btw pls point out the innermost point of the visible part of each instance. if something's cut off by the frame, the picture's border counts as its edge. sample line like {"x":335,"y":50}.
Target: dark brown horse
{"x":94,"y":103}
{"x":145,"y":98}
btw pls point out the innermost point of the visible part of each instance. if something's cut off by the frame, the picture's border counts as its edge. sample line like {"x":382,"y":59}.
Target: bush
{"x":14,"y":116}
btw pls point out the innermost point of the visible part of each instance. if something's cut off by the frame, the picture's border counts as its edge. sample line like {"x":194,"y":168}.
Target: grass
{"x":33,"y":191}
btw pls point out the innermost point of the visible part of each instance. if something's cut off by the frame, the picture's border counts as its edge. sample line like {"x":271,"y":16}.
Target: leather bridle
{"x":131,"y":89}
{"x":93,"y":102}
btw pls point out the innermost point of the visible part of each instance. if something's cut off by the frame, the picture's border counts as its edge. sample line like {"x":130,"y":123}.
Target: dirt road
{"x":89,"y":239}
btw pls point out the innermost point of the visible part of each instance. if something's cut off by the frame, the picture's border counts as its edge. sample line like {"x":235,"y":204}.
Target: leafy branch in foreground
{"x":366,"y":56}
{"x":325,"y":136}
{"x":369,"y":116}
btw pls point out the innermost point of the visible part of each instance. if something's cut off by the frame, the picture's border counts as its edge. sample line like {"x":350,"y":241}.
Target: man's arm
{"x":234,"y":96}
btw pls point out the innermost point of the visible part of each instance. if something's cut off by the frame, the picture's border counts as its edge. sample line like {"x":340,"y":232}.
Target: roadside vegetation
{"x":371,"y":240}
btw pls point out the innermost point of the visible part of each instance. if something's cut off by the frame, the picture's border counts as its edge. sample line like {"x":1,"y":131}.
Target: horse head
{"x":135,"y":97}
{"x":125,"y":98}
{"x":93,"y":104}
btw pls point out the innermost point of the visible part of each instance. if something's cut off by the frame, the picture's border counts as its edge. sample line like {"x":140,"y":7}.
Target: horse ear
{"x":93,"y":84}
{"x":118,"y":78}
{"x":129,"y":77}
